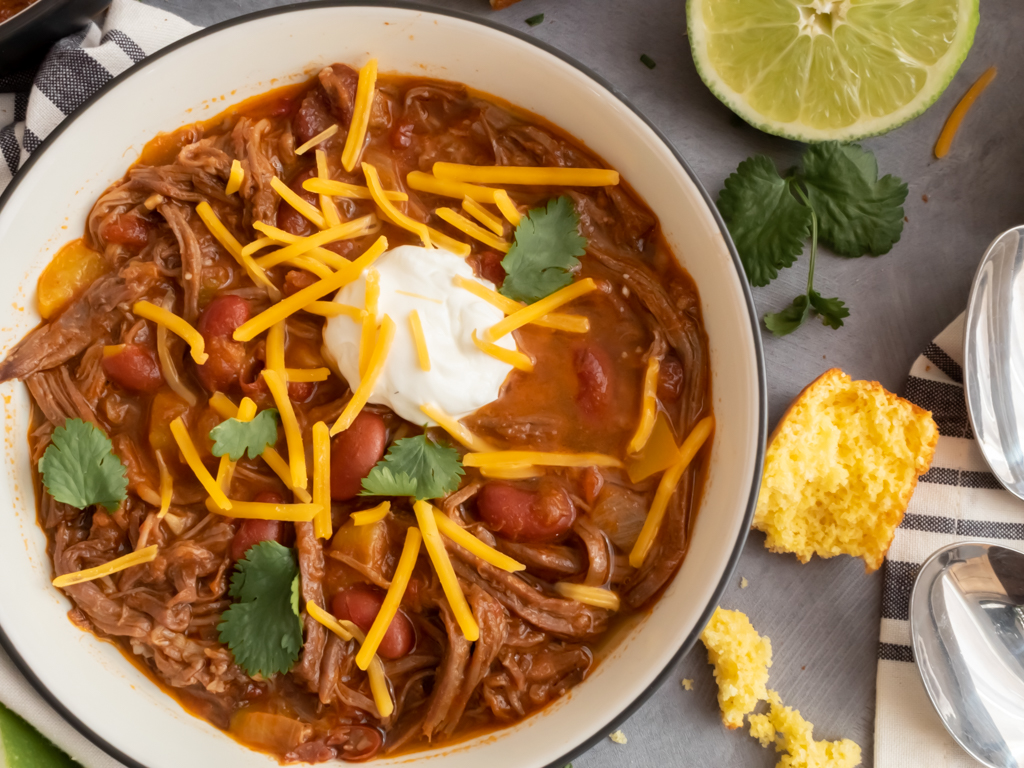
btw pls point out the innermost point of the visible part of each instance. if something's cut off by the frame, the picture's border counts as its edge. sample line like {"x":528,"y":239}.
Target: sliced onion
{"x":274,"y":733}
{"x":170,"y":371}
{"x":620,"y":513}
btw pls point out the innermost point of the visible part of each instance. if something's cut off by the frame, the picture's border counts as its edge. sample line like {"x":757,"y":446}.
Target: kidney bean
{"x":291,"y":220}
{"x":354,"y":452}
{"x":254,"y":386}
{"x":126,"y":229}
{"x":356,"y":742}
{"x":490,"y":267}
{"x":592,"y":374}
{"x":134,"y":367}
{"x":223,"y":315}
{"x":520,"y":514}
{"x":296,"y":280}
{"x":339,"y":82}
{"x":670,"y":379}
{"x":254,"y":531}
{"x":360,"y":604}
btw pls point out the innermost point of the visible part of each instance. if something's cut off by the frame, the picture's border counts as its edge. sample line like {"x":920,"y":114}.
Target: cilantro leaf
{"x":547,"y":243}
{"x":415,"y":466}
{"x":857,"y":212}
{"x":80,"y":467}
{"x":234,"y":437}
{"x":788,"y":320}
{"x":766,"y":222}
{"x":263,"y":629}
{"x":832,"y":311}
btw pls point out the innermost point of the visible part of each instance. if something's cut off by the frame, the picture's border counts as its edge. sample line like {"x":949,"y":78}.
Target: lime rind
{"x":878,"y":120}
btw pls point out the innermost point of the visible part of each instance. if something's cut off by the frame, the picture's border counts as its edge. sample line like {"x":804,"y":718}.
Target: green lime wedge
{"x":814,"y":70}
{"x":24,"y":747}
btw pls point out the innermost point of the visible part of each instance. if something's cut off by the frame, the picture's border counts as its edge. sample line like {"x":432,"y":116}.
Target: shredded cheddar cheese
{"x":445,"y":573}
{"x":364,"y":225}
{"x":450,"y":244}
{"x":235,"y":178}
{"x":420,"y":296}
{"x":226,"y":469}
{"x":538,"y":309}
{"x":485,"y":217}
{"x":388,"y":609}
{"x":322,"y":480}
{"x":372,"y":515}
{"x":511,"y":472}
{"x":385,"y":336}
{"x":292,"y":433}
{"x":176,"y":325}
{"x":254,"y":326}
{"x":307,"y":374}
{"x":232,"y":246}
{"x":555,"y":320}
{"x":110,"y":350}
{"x":507,"y":207}
{"x":166,"y":487}
{"x":344,"y":189}
{"x":258,"y":244}
{"x":424,"y":182}
{"x":455,"y":428}
{"x":332,"y":309}
{"x":959,"y":112}
{"x":309,"y":264}
{"x":539,"y":458}
{"x":327,"y":206}
{"x":291,"y":197}
{"x":416,"y":327}
{"x":649,"y":407}
{"x":324,"y":135}
{"x":666,"y":487}
{"x":302,"y":245}
{"x":275,"y":347}
{"x":360,"y":115}
{"x":145,"y":555}
{"x":368,"y":335}
{"x":512,"y":357}
{"x":595,"y":596}
{"x":512,"y":174}
{"x":475,"y":231}
{"x":390,"y":211}
{"x":191,"y":456}
{"x":260,"y":510}
{"x":471,"y":543}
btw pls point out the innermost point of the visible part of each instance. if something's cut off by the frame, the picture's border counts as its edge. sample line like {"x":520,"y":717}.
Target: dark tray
{"x":25,"y":37}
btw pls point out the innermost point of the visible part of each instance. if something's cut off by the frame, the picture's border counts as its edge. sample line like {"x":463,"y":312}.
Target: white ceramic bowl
{"x":88,"y":680}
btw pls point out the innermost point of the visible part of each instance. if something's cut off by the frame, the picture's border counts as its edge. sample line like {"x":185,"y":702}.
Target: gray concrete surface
{"x":822,"y":617}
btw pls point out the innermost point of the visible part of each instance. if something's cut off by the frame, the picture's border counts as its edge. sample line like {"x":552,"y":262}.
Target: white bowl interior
{"x":49,"y":206}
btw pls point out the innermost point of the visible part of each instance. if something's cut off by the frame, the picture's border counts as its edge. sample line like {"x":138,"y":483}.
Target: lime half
{"x":813,"y":70}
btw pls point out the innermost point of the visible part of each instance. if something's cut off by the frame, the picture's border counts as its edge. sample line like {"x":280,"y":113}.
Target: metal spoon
{"x":994,"y":358}
{"x":967,"y":624}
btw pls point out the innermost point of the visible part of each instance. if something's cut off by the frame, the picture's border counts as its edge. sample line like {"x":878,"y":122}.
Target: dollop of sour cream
{"x":461,"y":378}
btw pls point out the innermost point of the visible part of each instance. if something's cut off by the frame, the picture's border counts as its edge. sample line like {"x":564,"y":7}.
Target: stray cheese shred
{"x":449,"y":243}
{"x":360,"y":115}
{"x":344,"y":189}
{"x":254,"y":326}
{"x":555,"y":320}
{"x":372,"y":515}
{"x":511,"y":472}
{"x":145,"y":555}
{"x":232,"y":246}
{"x":343,"y":231}
{"x":307,"y":374}
{"x":368,"y":334}
{"x":472,"y":229}
{"x":291,"y":197}
{"x":538,"y":309}
{"x":324,"y":135}
{"x":422,"y":231}
{"x":388,"y":609}
{"x":511,"y":174}
{"x":424,"y":182}
{"x":485,"y":217}
{"x":166,"y":487}
{"x":292,"y":433}
{"x":507,"y":207}
{"x":649,"y":407}
{"x":512,"y":357}
{"x":260,"y":510}
{"x":445,"y":573}
{"x":235,"y":178}
{"x":330,"y":211}
{"x":226,"y":469}
{"x":302,"y":245}
{"x":346,"y":630}
{"x":956,"y":117}
{"x":539,"y":458}
{"x":416,"y":327}
{"x":322,"y":525}
{"x":456,"y":429}
{"x":175,"y":325}
{"x":191,"y":456}
{"x":333,"y":309}
{"x":452,"y":530}
{"x":385,"y":336}
{"x":275,"y":347}
{"x":666,"y":487}
{"x":595,"y":596}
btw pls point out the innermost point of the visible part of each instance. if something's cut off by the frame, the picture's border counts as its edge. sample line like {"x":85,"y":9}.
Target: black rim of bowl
{"x":762,"y":426}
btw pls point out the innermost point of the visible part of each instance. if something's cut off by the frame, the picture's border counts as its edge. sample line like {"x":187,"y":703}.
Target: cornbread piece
{"x":792,"y":734}
{"x":618,"y":737}
{"x":841,"y":467}
{"x":741,"y":658}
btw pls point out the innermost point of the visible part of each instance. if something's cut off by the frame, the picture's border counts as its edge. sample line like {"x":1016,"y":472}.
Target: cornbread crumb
{"x":618,"y":737}
{"x":840,"y":470}
{"x":741,"y":658}
{"x":687,"y":684}
{"x":743,"y":582}
{"x":792,"y":734}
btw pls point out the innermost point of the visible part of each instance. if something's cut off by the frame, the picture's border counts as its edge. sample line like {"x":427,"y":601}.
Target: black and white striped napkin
{"x":958,"y":499}
{"x":33,"y":103}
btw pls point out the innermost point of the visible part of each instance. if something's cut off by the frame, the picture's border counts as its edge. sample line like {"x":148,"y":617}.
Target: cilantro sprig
{"x":234,"y":437}
{"x":80,"y":467}
{"x":836,"y":196}
{"x":415,"y":466}
{"x":543,"y":256}
{"x":263,"y":629}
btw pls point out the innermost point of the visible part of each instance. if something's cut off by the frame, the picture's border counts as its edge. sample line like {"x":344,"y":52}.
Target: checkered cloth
{"x":33,"y":103}
{"x":958,"y":499}
{"x":31,"y":106}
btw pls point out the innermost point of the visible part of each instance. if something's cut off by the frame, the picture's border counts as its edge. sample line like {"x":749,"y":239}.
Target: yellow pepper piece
{"x":73,"y":269}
